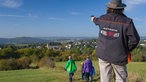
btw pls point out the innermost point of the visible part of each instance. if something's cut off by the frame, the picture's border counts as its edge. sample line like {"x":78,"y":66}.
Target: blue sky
{"x":44,"y":18}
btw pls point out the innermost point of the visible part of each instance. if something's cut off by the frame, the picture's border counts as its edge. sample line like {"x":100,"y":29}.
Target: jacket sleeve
{"x":84,"y":67}
{"x":96,"y":21}
{"x":75,"y":66}
{"x":133,"y":36}
{"x":66,"y":66}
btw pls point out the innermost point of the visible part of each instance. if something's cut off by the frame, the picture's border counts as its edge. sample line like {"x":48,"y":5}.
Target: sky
{"x":68,"y":18}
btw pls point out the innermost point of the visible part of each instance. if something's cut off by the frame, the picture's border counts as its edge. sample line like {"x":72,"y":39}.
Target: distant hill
{"x":65,"y":38}
{"x":25,"y":40}
{"x":21,"y":40}
{"x":143,"y":38}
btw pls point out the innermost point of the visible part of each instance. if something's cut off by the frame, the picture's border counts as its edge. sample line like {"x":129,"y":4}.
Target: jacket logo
{"x":110,"y":33}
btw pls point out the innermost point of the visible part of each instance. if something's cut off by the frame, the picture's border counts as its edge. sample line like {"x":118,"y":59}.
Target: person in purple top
{"x":87,"y":68}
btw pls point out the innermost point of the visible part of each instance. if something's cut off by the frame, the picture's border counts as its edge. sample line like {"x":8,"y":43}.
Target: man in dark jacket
{"x":117,"y":37}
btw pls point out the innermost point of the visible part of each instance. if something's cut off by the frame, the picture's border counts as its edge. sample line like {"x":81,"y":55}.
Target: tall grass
{"x":136,"y":71}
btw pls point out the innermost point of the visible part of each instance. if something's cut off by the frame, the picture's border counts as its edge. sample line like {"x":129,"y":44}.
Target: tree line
{"x":16,"y":57}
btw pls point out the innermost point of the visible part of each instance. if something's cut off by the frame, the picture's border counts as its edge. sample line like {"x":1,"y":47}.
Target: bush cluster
{"x":13,"y":64}
{"x":25,"y":63}
{"x":47,"y":62}
{"x":139,"y":58}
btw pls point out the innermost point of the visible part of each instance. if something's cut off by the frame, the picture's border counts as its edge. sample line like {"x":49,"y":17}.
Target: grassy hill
{"x":136,"y":70}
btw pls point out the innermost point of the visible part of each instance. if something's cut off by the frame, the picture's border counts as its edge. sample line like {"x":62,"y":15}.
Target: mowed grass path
{"x":136,"y":70}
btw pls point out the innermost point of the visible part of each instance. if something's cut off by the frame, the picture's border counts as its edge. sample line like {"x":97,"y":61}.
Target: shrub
{"x":47,"y":62}
{"x":23,"y":62}
{"x":33,"y":66}
{"x":3,"y":64}
{"x":58,"y":59}
{"x":34,"y":62}
{"x":8,"y":64}
{"x":134,"y":77}
{"x":139,"y":58}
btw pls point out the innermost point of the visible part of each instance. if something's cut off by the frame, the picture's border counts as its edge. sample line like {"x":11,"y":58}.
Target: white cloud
{"x":133,"y":3}
{"x":10,"y":3}
{"x":55,"y":19}
{"x":20,"y":16}
{"x":31,"y":15}
{"x":75,"y":13}
{"x":6,"y":15}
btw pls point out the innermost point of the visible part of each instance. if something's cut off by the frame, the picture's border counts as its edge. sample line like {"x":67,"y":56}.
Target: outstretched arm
{"x":95,"y":20}
{"x":92,"y":18}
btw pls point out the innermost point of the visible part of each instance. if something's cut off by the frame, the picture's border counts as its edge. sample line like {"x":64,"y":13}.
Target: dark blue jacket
{"x":92,"y":71}
{"x":117,"y":37}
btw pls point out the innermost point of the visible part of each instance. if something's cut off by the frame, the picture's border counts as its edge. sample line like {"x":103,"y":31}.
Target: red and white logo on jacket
{"x":110,"y":33}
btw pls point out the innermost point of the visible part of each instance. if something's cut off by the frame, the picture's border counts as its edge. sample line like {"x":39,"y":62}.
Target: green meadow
{"x":136,"y":73}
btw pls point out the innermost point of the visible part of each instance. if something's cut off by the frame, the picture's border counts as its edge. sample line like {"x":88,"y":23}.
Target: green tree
{"x":25,"y":52}
{"x":51,"y":53}
{"x":8,"y":53}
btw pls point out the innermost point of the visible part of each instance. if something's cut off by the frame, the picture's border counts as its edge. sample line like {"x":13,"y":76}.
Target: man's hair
{"x":119,"y":11}
{"x":88,"y":56}
{"x":70,"y":57}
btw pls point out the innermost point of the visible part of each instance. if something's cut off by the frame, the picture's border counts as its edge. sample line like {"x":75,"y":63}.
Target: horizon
{"x":51,"y":37}
{"x":57,"y":37}
{"x":69,"y":18}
